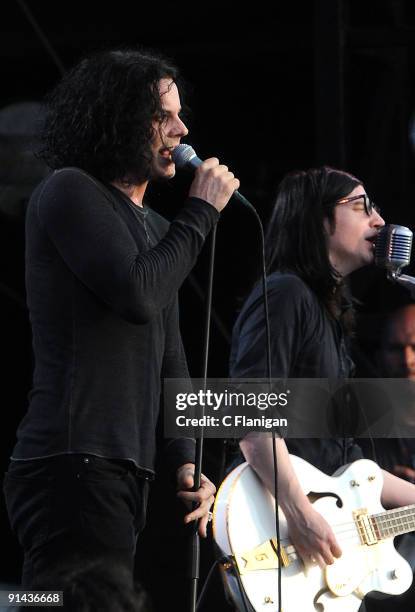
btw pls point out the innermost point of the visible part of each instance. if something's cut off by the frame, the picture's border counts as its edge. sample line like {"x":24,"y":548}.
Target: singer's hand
{"x":204,"y":497}
{"x":213,"y":183}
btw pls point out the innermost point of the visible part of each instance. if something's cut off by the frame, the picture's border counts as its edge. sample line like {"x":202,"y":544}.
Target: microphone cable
{"x":269,"y":376}
{"x":195,"y":562}
{"x":195,"y":539}
{"x":184,"y":156}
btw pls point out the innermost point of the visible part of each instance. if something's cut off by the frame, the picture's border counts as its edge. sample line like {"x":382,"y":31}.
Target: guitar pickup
{"x":365,"y":527}
{"x":263,"y":557}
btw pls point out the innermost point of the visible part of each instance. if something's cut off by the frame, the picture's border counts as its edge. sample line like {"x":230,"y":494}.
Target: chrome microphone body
{"x":393,"y":249}
{"x":393,"y":252}
{"x":184,"y":156}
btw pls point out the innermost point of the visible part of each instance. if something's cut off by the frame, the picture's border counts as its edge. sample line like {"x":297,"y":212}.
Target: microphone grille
{"x":182,"y":154}
{"x":393,"y":247}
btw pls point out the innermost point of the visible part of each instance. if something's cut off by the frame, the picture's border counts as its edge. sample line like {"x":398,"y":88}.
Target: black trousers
{"x":74,"y":508}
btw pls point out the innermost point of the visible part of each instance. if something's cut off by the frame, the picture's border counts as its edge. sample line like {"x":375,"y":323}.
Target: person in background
{"x":395,"y":358}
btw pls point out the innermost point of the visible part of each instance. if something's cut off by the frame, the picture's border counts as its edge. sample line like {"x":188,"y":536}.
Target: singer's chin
{"x":371,"y":254}
{"x":163,"y":173}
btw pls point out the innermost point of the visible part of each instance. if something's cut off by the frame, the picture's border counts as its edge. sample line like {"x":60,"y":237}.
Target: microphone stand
{"x":406,"y":281}
{"x":195,"y":539}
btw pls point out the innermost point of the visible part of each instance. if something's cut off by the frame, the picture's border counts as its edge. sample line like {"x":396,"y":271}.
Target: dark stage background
{"x":272,"y":88}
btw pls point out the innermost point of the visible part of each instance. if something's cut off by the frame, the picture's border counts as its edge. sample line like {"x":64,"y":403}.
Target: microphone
{"x":393,"y":249}
{"x":184,"y":156}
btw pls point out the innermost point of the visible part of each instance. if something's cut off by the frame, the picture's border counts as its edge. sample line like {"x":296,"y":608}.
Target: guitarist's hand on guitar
{"x":204,"y":497}
{"x":311,"y":535}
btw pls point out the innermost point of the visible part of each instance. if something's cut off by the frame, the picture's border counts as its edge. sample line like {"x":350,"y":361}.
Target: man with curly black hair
{"x":103,"y":270}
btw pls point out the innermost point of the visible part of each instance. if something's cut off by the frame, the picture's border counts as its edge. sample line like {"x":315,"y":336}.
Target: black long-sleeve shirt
{"x":102,"y":277}
{"x":305,"y":343}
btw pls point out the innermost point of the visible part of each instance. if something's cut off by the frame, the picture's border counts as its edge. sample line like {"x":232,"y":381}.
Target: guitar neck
{"x":394,"y":522}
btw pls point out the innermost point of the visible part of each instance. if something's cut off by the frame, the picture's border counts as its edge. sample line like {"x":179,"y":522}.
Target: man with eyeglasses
{"x":323,"y":227}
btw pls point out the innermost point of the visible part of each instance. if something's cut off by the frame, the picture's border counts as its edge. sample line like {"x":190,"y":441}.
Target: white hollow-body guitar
{"x":244,"y":529}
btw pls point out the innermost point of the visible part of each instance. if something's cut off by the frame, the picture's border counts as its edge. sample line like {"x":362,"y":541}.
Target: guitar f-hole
{"x":313,"y":497}
{"x":319,"y":606}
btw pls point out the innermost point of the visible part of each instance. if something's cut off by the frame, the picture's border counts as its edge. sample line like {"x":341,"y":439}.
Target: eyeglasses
{"x":368,"y":204}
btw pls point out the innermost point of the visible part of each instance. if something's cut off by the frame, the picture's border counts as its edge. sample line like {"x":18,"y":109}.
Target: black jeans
{"x":74,"y":508}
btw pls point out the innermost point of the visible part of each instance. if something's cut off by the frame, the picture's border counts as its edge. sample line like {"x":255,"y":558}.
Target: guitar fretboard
{"x":394,"y":522}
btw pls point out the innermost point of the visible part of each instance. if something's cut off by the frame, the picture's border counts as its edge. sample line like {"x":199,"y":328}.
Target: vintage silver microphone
{"x":393,"y":249}
{"x":393,"y":252}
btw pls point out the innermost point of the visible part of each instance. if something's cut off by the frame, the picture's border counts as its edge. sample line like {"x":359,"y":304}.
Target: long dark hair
{"x":296,"y":238}
{"x":99,"y":117}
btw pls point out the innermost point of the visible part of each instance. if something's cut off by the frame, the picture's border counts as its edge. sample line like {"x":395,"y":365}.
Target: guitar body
{"x":244,"y":527}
